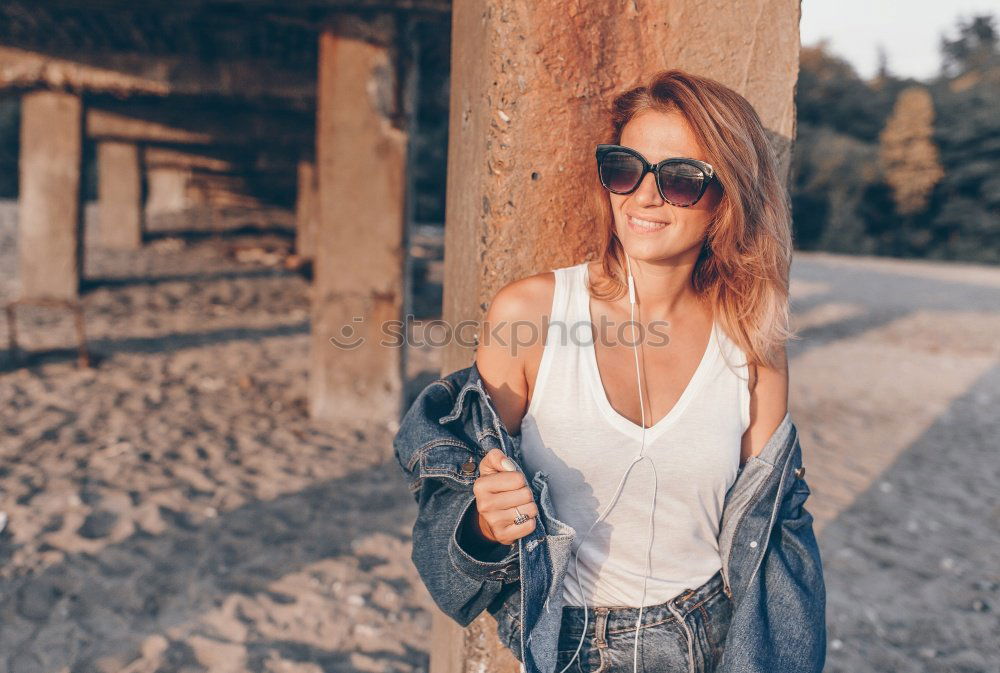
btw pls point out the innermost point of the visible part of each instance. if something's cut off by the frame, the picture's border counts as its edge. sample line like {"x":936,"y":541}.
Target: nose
{"x":648,"y":194}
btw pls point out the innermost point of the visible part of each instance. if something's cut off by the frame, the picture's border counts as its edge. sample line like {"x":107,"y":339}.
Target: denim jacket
{"x":771,"y":565}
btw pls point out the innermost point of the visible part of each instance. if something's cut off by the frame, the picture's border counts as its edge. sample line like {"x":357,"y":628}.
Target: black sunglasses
{"x":680,"y":181}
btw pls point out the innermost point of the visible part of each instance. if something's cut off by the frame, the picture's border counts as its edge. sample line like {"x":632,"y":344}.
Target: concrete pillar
{"x":531,"y":85}
{"x":191,"y":183}
{"x":167,"y":190}
{"x":358,"y":264}
{"x":306,"y":210}
{"x":49,"y":210}
{"x":119,"y":188}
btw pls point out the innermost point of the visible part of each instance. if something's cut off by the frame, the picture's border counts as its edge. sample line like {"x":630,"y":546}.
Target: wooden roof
{"x":234,"y":48}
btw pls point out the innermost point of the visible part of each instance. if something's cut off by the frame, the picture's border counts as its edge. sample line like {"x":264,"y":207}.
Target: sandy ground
{"x":896,"y":390}
{"x":173,"y":508}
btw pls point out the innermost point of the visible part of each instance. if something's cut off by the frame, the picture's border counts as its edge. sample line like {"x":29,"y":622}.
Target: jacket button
{"x":800,"y":472}
{"x":468,"y":467}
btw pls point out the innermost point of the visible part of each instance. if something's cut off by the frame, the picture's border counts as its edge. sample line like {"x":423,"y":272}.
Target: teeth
{"x":646,"y":224}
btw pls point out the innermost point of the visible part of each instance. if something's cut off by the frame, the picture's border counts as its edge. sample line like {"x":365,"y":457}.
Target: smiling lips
{"x":645,"y":226}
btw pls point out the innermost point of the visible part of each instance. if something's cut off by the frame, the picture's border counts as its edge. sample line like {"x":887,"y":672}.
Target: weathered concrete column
{"x":49,"y":209}
{"x":358,"y":264}
{"x":531,"y":85}
{"x":306,"y":209}
{"x":119,"y":188}
{"x":166,"y":188}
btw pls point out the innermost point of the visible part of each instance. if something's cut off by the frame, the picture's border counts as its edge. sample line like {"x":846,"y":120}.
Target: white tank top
{"x":572,"y":432}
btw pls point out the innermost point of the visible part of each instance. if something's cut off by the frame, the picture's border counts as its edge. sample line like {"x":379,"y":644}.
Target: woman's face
{"x":669,"y":233}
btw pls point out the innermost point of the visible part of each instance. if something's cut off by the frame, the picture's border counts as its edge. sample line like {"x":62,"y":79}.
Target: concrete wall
{"x":531,"y":85}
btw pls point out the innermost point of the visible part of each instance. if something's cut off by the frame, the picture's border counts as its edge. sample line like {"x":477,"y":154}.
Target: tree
{"x":830,"y":93}
{"x":907,"y":152}
{"x":882,"y":72}
{"x":974,"y":49}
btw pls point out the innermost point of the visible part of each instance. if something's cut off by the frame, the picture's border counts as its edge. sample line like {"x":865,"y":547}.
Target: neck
{"x":663,"y":288}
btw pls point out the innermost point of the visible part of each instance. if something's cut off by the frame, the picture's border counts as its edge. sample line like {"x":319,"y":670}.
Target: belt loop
{"x":682,"y":620}
{"x":601,"y":627}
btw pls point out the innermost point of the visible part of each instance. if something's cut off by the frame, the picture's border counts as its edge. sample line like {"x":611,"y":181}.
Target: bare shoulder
{"x":511,"y":342}
{"x":524,"y":299}
{"x":768,"y":403}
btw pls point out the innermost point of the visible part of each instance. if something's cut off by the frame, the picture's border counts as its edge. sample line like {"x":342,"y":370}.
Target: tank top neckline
{"x":596,"y":385}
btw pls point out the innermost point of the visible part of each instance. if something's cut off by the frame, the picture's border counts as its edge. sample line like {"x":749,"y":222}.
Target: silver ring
{"x":520,"y":518}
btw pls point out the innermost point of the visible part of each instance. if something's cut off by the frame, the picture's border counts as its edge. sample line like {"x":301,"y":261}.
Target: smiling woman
{"x":626,"y":453}
{"x":696,"y":236}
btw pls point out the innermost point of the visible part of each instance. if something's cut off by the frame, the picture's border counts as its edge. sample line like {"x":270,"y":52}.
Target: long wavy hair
{"x":743,"y":266}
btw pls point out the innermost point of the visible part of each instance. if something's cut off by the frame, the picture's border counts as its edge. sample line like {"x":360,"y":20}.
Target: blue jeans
{"x":685,"y":634}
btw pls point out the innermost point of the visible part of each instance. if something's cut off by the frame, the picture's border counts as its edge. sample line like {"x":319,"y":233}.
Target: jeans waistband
{"x":621,"y":619}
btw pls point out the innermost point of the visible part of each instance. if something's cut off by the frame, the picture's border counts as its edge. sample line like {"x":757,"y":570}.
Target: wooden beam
{"x":155,"y":74}
{"x":182,"y":125}
{"x":102,"y":124}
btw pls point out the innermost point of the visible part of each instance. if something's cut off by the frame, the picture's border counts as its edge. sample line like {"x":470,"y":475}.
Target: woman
{"x":642,"y":426}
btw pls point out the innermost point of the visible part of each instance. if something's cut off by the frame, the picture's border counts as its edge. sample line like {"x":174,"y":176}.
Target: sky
{"x":909,"y":30}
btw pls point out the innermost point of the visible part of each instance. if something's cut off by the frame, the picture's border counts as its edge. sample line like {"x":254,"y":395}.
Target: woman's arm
{"x":768,"y":405}
{"x":510,"y":347}
{"x":461,"y":584}
{"x":474,"y":542}
{"x":511,"y":343}
{"x":463,"y":576}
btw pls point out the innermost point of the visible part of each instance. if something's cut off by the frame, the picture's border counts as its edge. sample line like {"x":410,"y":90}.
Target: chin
{"x":657,"y":248}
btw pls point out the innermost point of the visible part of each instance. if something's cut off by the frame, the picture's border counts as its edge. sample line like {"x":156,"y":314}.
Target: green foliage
{"x":840,"y":193}
{"x":974,"y":49}
{"x":830,"y":93}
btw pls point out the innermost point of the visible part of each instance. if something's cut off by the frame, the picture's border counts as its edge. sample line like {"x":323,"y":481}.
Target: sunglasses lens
{"x":681,"y":183}
{"x":620,"y":171}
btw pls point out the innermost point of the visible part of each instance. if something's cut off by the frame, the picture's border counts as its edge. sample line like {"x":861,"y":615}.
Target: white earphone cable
{"x":640,"y":456}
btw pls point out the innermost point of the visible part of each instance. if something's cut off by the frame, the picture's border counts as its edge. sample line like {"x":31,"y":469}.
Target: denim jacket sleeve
{"x":434,"y":458}
{"x":779,"y":624}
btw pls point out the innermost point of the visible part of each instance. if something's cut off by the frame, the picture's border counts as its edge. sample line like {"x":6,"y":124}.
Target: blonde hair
{"x":743,"y":266}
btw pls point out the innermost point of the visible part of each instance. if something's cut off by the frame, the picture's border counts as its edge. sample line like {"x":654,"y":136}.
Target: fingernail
{"x":508,"y":465}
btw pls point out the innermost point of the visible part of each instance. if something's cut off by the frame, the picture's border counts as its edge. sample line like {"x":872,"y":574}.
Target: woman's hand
{"x":499,"y":489}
